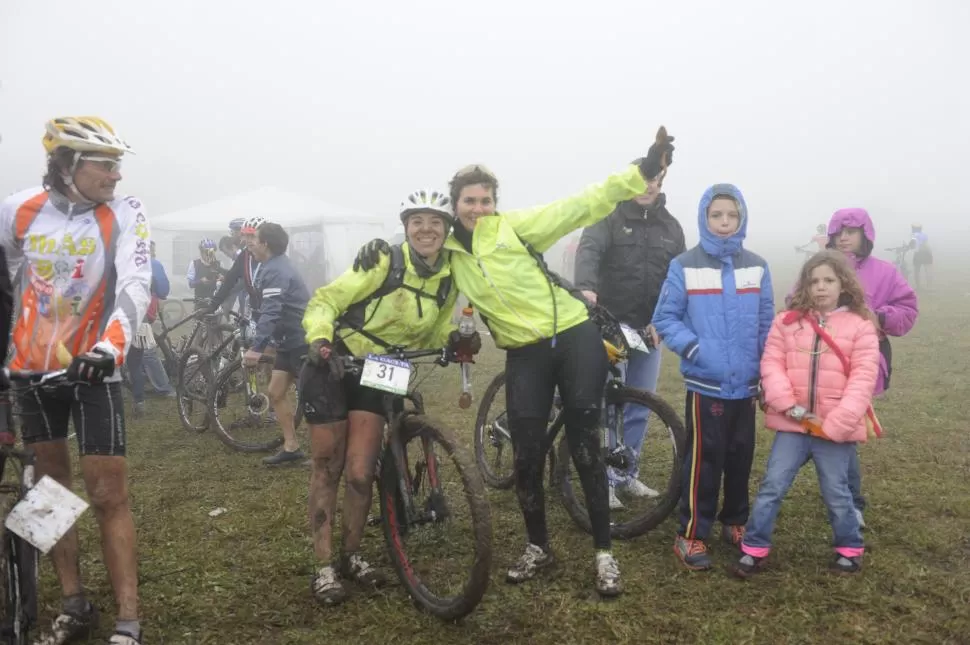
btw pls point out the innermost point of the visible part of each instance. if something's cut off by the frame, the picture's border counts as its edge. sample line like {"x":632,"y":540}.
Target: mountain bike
{"x":660,"y":458}
{"x":196,"y":370}
{"x":424,"y":475}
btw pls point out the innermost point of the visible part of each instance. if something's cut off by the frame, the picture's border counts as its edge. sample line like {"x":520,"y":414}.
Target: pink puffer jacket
{"x":798,"y":368}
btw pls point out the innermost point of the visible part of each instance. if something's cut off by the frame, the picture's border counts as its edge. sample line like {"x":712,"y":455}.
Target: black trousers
{"x":721,"y":434}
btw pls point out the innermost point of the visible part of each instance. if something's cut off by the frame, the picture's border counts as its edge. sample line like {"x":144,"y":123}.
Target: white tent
{"x":324,"y":233}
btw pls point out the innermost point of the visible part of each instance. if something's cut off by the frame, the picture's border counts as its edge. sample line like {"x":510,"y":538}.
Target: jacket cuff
{"x":691,"y":350}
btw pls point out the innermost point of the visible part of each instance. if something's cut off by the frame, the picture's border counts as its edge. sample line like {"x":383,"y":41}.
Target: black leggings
{"x":578,"y":366}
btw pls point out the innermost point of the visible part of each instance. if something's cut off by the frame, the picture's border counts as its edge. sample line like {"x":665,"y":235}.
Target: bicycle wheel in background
{"x":493,"y":444}
{"x":192,"y":390}
{"x":240,"y":414}
{"x":660,"y":462}
{"x":443,"y":551}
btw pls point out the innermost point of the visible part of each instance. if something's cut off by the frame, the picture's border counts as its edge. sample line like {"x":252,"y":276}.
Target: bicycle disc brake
{"x":258,"y":404}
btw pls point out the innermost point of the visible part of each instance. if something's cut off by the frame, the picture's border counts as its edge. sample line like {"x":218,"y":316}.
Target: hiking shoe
{"x":846,"y":566}
{"x":356,"y":568}
{"x":747,"y":566}
{"x":608,"y":581}
{"x":615,"y":503}
{"x":636,"y":488}
{"x":534,"y":558}
{"x":732,"y":534}
{"x":862,"y":521}
{"x":285,"y":457}
{"x":326,"y":587}
{"x":693,"y":553}
{"x":124,"y":638}
{"x":68,"y":628}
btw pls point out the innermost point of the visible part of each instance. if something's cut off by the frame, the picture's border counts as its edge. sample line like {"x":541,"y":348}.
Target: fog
{"x":807,"y":109}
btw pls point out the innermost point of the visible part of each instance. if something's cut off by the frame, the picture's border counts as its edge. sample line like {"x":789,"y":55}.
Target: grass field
{"x":243,"y":577}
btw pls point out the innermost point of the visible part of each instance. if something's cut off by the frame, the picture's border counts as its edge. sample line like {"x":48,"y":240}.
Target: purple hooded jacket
{"x":887,"y":293}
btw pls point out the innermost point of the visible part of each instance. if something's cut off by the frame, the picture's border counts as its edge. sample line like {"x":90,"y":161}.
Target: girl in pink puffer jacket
{"x":818,"y":372}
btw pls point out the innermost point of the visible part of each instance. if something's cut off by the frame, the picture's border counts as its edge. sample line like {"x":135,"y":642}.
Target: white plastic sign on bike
{"x":634,"y":340}
{"x":386,"y":373}
{"x":45,"y":514}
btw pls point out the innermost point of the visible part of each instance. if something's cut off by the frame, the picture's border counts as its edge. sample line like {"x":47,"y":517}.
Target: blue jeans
{"x":789,"y":452}
{"x":641,"y":371}
{"x":142,"y":362}
{"x":855,"y":482}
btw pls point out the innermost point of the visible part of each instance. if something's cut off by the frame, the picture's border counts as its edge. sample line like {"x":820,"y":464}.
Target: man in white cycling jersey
{"x":82,"y":254}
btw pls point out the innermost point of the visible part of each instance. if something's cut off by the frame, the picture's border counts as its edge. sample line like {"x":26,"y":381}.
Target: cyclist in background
{"x":922,"y":255}
{"x":204,"y":271}
{"x":86,"y":277}
{"x":243,"y":270}
{"x":817,"y":243}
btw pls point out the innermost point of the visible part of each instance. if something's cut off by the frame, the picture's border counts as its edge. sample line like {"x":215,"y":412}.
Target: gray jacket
{"x":624,"y":258}
{"x":283,"y":298}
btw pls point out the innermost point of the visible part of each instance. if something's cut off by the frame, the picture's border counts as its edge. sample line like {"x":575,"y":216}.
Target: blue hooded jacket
{"x":716,"y":308}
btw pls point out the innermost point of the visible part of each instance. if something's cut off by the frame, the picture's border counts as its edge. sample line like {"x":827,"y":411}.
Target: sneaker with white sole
{"x":636,"y":488}
{"x":525,"y":568}
{"x":124,"y":638}
{"x":327,"y":588}
{"x":608,"y":581}
{"x":615,"y":503}
{"x":357,"y":568}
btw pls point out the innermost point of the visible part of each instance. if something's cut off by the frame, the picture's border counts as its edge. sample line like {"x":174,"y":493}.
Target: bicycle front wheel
{"x":441,"y":543}
{"x":658,"y":462}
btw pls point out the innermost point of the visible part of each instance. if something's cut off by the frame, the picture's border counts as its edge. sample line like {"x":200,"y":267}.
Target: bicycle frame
{"x":396,"y":442}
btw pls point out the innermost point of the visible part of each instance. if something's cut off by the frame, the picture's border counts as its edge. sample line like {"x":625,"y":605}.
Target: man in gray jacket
{"x":621,"y":264}
{"x":282,"y":300}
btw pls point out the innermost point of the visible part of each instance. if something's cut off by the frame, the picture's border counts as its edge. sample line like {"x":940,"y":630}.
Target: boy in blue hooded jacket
{"x":715,"y":310}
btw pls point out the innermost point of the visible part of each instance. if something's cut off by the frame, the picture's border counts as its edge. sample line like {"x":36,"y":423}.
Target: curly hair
{"x":471,"y":176}
{"x":61,"y":161}
{"x":852,"y":297}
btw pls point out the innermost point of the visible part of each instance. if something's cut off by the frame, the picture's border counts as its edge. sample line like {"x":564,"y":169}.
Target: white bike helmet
{"x":427,"y":201}
{"x":83,"y":134}
{"x":251,"y":224}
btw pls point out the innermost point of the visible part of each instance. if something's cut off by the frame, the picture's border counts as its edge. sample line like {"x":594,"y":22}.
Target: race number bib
{"x":634,"y":340}
{"x":386,"y":373}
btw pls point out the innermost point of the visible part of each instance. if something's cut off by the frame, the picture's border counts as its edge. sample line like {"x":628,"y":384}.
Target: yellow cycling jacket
{"x":502,"y":279}
{"x":400,"y":318}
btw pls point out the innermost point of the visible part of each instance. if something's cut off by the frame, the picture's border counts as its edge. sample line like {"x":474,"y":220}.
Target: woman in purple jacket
{"x":888,"y":295}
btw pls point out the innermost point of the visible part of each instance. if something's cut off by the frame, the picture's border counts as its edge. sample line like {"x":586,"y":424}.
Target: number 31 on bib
{"x":386,"y":373}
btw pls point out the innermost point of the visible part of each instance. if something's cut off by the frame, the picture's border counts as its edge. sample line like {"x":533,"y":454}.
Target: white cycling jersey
{"x":84,"y":274}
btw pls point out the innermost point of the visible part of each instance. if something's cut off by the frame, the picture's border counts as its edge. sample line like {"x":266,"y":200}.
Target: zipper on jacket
{"x":503,"y":300}
{"x":813,"y":371}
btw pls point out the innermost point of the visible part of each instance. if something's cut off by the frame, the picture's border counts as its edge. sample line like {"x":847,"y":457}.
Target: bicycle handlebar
{"x":445,"y":356}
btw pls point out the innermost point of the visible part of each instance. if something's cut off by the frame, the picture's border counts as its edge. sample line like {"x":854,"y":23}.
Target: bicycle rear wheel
{"x":240,"y":415}
{"x":442,"y":547}
{"x":660,"y":462}
{"x":493,"y":445}
{"x":192,"y":390}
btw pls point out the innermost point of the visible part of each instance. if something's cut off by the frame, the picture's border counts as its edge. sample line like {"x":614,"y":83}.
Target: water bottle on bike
{"x":464,"y":352}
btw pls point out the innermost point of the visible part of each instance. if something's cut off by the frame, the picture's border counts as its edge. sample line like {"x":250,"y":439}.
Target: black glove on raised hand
{"x":659,"y":157}
{"x":369,"y":255}
{"x":92,"y":367}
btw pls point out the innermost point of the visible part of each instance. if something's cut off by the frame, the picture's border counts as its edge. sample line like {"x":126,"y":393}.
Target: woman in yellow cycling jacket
{"x":346,"y":419}
{"x":546,"y":332}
